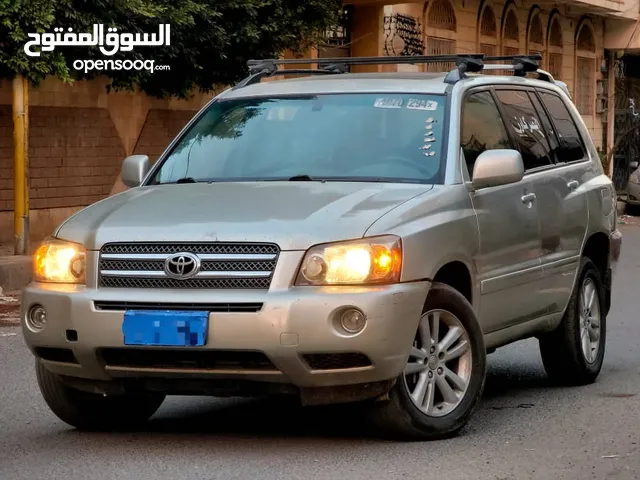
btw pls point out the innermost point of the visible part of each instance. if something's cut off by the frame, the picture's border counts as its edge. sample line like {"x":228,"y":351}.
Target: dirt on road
{"x":9,"y":309}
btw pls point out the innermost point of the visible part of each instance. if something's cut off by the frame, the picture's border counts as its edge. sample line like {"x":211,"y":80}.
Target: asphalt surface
{"x":523,"y":429}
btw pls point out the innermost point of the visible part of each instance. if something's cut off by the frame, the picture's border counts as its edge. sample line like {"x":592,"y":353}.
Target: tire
{"x":562,"y":353}
{"x":399,"y":415}
{"x":95,"y":412}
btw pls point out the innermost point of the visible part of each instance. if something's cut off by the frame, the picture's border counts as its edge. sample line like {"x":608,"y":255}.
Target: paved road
{"x":524,"y":428}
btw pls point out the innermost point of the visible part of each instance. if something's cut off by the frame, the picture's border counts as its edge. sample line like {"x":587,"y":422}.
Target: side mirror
{"x":134,"y":169}
{"x":497,"y":167}
{"x":633,"y":165}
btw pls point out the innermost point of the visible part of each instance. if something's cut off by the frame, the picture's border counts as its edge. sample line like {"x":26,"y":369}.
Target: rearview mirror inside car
{"x":497,"y":167}
{"x":134,"y":169}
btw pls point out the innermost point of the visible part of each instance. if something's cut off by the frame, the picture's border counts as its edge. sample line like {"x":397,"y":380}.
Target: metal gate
{"x":627,"y":120}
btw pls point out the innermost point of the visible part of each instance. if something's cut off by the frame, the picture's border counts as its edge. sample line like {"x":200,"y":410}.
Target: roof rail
{"x":259,"y":69}
{"x":471,"y":62}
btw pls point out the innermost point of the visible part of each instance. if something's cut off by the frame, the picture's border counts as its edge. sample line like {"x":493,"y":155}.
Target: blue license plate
{"x":165,"y":328}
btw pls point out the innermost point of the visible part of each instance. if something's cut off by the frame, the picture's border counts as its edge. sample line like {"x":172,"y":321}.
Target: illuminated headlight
{"x":59,"y":262}
{"x":367,"y":261}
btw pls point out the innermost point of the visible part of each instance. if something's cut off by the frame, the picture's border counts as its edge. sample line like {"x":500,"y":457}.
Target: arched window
{"x":440,"y":32}
{"x":487,"y":31}
{"x":535,"y":35}
{"x":585,"y":68}
{"x":554,"y":42}
{"x":510,"y":32}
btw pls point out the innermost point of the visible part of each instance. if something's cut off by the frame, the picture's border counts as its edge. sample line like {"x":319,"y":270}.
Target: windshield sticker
{"x":429,"y":154}
{"x":418,"y":104}
{"x":429,"y":139}
{"x":428,"y":126}
{"x":388,"y":103}
{"x":425,"y":147}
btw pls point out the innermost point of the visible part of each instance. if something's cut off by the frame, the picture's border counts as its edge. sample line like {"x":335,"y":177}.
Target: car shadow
{"x":284,"y":417}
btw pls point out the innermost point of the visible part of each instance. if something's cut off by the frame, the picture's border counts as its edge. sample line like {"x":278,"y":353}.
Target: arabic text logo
{"x":109,"y":44}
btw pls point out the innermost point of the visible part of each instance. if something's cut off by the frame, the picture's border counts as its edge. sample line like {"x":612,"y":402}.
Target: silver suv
{"x":341,"y":237}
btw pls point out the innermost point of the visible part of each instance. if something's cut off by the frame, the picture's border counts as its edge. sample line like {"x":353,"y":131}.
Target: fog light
{"x":353,"y":321}
{"x":37,"y":318}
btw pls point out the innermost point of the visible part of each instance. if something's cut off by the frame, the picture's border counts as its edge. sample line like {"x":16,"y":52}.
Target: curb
{"x":15,"y":272}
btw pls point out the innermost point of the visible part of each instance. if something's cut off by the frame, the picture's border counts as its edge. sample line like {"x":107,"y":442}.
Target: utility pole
{"x":20,"y":165}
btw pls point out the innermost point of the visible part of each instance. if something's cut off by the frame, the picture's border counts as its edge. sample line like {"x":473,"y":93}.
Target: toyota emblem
{"x":182,"y":265}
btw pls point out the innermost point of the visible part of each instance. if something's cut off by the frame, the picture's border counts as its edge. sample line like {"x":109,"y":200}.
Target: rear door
{"x":508,"y":265}
{"x":563,"y":206}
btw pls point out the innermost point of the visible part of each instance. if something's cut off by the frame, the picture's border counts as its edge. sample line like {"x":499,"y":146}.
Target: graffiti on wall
{"x":402,"y":35}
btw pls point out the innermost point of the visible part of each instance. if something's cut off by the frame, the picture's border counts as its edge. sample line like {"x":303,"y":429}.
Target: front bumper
{"x":292,"y":322}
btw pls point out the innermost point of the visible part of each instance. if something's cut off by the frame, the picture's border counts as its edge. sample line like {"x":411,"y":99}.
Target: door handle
{"x":528,"y":198}
{"x":573,"y":184}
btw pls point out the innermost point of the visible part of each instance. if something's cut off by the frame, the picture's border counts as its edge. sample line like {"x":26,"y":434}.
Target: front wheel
{"x":573,"y":353}
{"x":91,"y":411}
{"x":444,"y":377}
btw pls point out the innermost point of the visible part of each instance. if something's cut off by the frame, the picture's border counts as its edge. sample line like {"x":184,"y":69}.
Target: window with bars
{"x":488,"y":50}
{"x":440,"y":46}
{"x":555,"y":65}
{"x":555,"y":48}
{"x":585,"y":82}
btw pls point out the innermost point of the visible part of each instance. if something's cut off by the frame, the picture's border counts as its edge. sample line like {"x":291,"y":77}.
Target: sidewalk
{"x":15,"y":271}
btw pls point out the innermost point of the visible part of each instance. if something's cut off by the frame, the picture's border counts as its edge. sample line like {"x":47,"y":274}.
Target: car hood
{"x":294,"y":215}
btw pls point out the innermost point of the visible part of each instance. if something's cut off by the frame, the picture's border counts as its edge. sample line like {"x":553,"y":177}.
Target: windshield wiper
{"x":186,"y":180}
{"x":301,"y":178}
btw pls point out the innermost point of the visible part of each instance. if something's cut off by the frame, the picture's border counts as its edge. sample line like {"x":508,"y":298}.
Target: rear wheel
{"x":573,"y":353}
{"x":445,"y":372}
{"x":91,"y":411}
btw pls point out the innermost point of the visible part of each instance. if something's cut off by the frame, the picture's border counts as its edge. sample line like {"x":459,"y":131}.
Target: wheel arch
{"x":597,"y":248}
{"x":457,"y":275}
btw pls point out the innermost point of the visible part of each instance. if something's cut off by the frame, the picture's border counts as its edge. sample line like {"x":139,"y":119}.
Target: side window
{"x":482,"y":128}
{"x":570,"y":146}
{"x":526,"y":128}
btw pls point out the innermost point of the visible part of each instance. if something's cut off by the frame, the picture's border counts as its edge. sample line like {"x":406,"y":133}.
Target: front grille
{"x":336,"y":361}
{"x":222,"y":265}
{"x":61,"y":355}
{"x":186,"y":359}
{"x":209,"y":307}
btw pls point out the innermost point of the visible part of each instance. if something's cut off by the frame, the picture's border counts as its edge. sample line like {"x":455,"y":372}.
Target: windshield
{"x":354,"y":137}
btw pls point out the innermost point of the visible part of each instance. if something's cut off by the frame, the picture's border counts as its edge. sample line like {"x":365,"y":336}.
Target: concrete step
{"x":15,"y":272}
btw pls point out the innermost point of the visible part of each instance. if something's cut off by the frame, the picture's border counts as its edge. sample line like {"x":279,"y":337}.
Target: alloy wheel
{"x":438,"y":371}
{"x":589,"y":311}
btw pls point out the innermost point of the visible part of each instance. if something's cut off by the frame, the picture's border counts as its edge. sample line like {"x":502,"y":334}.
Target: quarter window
{"x":526,"y":128}
{"x":482,"y":128}
{"x":570,"y":146}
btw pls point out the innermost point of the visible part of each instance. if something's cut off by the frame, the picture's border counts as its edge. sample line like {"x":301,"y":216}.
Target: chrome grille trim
{"x":220,"y":257}
{"x":223,"y":265}
{"x":156,"y":274}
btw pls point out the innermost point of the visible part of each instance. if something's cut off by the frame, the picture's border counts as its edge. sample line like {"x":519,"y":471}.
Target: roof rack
{"x":472,"y":63}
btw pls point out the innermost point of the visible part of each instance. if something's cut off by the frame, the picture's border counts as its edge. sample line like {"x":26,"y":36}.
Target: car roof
{"x":347,"y":83}
{"x":376,"y":82}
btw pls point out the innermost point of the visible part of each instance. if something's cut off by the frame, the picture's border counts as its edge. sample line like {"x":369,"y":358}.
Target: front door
{"x":508,"y":264}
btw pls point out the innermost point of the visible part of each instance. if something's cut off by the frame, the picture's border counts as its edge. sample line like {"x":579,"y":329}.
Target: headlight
{"x":60,"y":262}
{"x":367,"y":261}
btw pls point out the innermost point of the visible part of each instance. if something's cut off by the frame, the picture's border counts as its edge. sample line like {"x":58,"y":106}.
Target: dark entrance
{"x":627,"y":119}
